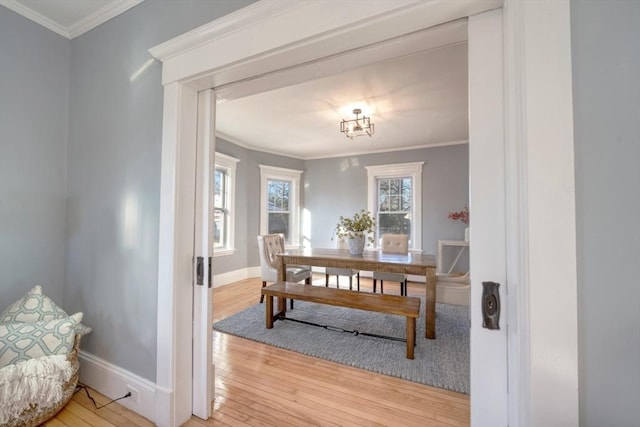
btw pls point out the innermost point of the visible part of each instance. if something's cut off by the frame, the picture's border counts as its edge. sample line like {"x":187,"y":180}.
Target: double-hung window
{"x":394,"y":198}
{"x":280,"y":203}
{"x":224,"y":205}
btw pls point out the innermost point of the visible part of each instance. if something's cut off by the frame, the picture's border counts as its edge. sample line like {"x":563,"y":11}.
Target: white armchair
{"x":393,"y":244}
{"x":269,"y":246}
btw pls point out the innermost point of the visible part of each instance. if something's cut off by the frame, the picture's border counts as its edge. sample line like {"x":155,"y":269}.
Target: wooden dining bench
{"x":382,"y":303}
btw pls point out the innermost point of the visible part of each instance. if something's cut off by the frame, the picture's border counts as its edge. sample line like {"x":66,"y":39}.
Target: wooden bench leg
{"x":411,"y":336}
{"x":269,"y":312}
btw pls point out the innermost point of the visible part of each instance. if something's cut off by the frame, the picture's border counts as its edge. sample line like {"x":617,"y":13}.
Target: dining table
{"x":415,"y":263}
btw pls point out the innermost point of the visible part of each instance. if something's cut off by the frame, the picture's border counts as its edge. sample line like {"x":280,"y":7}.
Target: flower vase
{"x":356,"y":244}
{"x":466,"y":234}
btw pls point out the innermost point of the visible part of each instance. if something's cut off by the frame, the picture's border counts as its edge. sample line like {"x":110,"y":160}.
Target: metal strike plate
{"x":491,"y":305}
{"x":199,"y":271}
{"x":209,"y":274}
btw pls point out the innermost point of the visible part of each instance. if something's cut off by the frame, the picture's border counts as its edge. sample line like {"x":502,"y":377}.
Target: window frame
{"x":282,"y":174}
{"x":411,"y":170}
{"x":229,"y":165}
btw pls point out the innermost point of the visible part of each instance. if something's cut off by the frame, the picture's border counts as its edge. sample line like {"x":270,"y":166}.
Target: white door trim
{"x":203,"y":247}
{"x":541,"y":250}
{"x":488,"y":376}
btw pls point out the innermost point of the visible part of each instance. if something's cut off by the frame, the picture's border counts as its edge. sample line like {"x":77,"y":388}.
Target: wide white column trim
{"x":541,"y":204}
{"x":175,"y":258}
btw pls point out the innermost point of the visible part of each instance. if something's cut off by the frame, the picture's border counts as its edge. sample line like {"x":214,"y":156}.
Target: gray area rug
{"x":443,"y":362}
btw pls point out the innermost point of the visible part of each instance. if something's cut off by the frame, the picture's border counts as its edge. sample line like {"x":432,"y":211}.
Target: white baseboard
{"x":233,"y":276}
{"x":114,"y":382}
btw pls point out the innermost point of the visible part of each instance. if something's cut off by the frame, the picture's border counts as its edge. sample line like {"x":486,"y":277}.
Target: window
{"x":394,"y":206}
{"x":395,"y":200}
{"x":280,"y":203}
{"x":224,"y":206}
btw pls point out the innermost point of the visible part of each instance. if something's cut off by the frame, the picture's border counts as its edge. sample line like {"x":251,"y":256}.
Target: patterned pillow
{"x":24,"y":341}
{"x":36,"y":306}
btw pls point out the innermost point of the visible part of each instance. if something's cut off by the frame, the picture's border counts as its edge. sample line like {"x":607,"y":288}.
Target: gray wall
{"x":338,"y":186}
{"x":246,"y":192}
{"x":34,"y":87}
{"x":115,"y":135}
{"x":248,"y":202}
{"x":606,"y":84}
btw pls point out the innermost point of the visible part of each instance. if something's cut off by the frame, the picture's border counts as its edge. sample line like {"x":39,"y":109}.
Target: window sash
{"x":221,"y":210}
{"x":393,"y":215}
{"x":280,"y":203}
{"x":395,"y":198}
{"x":223,"y":206}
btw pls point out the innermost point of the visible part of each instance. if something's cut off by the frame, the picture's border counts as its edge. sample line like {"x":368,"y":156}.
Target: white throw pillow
{"x":24,"y":341}
{"x":34,"y":307}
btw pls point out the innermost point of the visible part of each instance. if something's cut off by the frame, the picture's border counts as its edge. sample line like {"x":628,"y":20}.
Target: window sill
{"x":223,"y":252}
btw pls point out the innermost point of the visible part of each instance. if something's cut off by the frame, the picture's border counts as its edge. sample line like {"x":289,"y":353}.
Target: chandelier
{"x":357,"y":127}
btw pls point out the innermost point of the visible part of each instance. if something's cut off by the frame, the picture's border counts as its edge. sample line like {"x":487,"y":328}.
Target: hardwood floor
{"x":261,"y":385}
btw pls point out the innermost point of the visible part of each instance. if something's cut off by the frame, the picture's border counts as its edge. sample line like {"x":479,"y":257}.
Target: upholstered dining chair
{"x":393,"y":244}
{"x":334,"y":271}
{"x":269,"y":246}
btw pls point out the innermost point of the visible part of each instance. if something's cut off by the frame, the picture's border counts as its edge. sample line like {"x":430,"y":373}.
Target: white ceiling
{"x":69,"y":18}
{"x":415,"y":91}
{"x":414,"y":101}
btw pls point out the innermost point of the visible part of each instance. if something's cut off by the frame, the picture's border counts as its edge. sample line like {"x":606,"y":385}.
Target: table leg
{"x":269,"y":311}
{"x":282,"y":307}
{"x":411,"y":336}
{"x":430,"y":304}
{"x":282,"y":270}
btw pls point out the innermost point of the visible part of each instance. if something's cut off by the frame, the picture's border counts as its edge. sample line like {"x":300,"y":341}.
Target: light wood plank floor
{"x":260,"y":385}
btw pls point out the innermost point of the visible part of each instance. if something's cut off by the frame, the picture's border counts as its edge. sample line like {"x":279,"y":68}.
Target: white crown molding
{"x":390,"y":150}
{"x":28,"y":13}
{"x":243,"y":144}
{"x":233,"y":140}
{"x":109,"y":11}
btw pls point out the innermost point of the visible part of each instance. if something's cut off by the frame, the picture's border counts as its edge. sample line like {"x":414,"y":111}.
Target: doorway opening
{"x":179,"y":96}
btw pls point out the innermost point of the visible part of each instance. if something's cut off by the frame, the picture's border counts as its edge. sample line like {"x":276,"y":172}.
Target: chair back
{"x":270,"y":245}
{"x":395,"y":243}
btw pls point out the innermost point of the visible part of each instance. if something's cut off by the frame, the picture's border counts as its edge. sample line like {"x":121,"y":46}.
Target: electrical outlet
{"x":134,"y":393}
